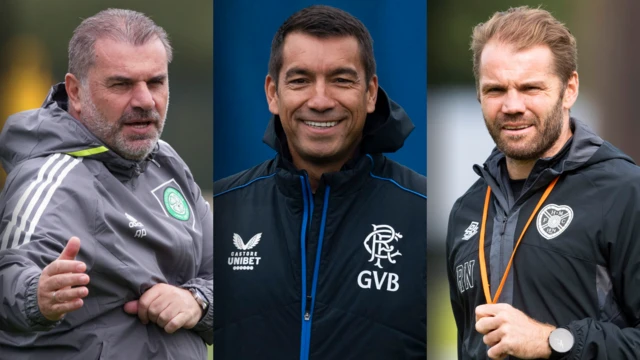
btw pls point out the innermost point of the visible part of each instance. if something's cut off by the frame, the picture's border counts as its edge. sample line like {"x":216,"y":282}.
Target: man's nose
{"x":142,"y":97}
{"x":320,"y":101}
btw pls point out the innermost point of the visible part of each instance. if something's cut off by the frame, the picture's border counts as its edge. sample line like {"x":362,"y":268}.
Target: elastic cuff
{"x":578,"y":337}
{"x":206,"y":322}
{"x":35,"y":319}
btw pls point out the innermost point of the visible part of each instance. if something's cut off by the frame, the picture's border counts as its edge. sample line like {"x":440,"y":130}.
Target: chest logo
{"x":378,"y":244}
{"x":171,"y":200}
{"x":553,"y":220}
{"x":471,"y":230}
{"x":237,"y":241}
{"x":243,"y":259}
{"x":133,"y":223}
{"x":175,"y":204}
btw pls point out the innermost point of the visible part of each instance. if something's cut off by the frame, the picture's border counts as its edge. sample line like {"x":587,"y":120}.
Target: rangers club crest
{"x":553,"y":220}
{"x":378,"y":244}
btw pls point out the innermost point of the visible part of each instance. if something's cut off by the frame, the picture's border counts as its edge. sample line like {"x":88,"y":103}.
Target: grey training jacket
{"x":140,"y":224}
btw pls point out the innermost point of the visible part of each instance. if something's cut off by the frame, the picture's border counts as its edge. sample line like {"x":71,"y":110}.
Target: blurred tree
{"x":5,"y":26}
{"x":45,"y":28}
{"x":613,"y":55}
{"x":449,"y":27}
{"x":26,"y":79}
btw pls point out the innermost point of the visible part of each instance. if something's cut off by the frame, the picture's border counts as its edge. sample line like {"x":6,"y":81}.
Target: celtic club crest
{"x":175,"y":204}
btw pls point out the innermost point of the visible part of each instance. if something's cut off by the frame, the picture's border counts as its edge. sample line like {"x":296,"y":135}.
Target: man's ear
{"x":372,"y":94}
{"x":271,"y":90}
{"x":72,"y":85}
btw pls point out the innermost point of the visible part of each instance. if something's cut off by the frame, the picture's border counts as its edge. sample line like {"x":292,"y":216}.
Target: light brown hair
{"x":524,"y":27}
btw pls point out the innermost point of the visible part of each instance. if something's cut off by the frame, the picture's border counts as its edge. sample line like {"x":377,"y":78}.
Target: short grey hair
{"x":117,"y":24}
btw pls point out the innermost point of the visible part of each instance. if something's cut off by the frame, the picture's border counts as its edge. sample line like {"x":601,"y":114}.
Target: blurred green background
{"x":457,"y":137}
{"x":34,"y":36}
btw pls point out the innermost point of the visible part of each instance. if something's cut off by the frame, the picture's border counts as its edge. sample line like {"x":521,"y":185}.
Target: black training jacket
{"x":578,"y":264}
{"x":339,"y":274}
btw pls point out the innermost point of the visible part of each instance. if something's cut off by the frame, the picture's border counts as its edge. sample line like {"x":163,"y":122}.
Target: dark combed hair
{"x":323,"y":22}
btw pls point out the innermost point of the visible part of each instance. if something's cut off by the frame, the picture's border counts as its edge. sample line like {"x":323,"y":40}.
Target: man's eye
{"x":298,"y":81}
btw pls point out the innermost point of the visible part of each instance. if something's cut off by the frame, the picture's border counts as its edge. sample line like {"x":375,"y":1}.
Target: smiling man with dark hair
{"x":333,"y":265}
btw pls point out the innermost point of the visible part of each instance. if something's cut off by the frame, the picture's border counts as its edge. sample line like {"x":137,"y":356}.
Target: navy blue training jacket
{"x":339,"y":274}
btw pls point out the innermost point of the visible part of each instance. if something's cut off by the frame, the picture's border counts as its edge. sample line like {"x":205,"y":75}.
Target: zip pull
{"x":307,"y":314}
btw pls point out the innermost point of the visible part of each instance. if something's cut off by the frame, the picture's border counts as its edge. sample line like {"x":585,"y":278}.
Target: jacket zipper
{"x":309,"y":300}
{"x":308,"y":212}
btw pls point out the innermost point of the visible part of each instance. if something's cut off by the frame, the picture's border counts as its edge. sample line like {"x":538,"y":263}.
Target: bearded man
{"x":106,"y":243}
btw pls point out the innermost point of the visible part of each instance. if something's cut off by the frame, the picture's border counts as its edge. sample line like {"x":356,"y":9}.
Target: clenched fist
{"x":509,"y":331}
{"x":168,"y":306}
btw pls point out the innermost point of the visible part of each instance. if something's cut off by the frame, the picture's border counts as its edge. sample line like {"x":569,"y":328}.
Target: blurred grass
{"x":210,"y":357}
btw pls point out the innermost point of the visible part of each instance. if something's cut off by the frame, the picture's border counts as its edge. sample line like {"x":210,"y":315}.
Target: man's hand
{"x":508,"y":331}
{"x":61,"y":285}
{"x":168,"y":306}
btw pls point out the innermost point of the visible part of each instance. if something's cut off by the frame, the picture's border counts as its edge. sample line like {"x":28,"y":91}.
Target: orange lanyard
{"x":483,"y":265}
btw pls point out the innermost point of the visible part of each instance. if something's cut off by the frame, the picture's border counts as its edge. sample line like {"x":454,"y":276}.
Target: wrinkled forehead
{"x":135,"y":61}
{"x":322,"y":53}
{"x":503,"y":62}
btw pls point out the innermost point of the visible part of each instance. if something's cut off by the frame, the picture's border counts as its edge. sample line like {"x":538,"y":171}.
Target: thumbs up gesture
{"x":62,"y":283}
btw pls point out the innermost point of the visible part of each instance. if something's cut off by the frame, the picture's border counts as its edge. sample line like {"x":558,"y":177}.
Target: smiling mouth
{"x":323,"y":124}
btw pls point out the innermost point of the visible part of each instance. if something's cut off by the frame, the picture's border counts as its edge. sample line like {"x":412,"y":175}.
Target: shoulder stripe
{"x":392,"y":181}
{"x":398,"y":185}
{"x":54,"y":176}
{"x":89,"y":152}
{"x":35,"y":198}
{"x":14,"y":218}
{"x":47,"y":198}
{"x":245,"y":185}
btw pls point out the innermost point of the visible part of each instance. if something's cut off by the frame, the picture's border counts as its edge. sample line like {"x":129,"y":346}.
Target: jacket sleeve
{"x":36,"y":220}
{"x":456,"y":306}
{"x":204,"y":280}
{"x":602,"y":340}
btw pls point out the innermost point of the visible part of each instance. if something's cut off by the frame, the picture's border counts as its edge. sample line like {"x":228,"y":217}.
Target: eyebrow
{"x":158,"y":78}
{"x":534,"y":83}
{"x":297,"y":71}
{"x":344,"y":71}
{"x":124,"y":79}
{"x":491,"y":86}
{"x":335,"y":72}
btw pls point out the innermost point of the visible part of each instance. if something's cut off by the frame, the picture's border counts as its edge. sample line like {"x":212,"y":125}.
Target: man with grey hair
{"x":106,"y":243}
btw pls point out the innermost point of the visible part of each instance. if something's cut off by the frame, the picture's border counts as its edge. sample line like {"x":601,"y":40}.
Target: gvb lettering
{"x":386,"y":281}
